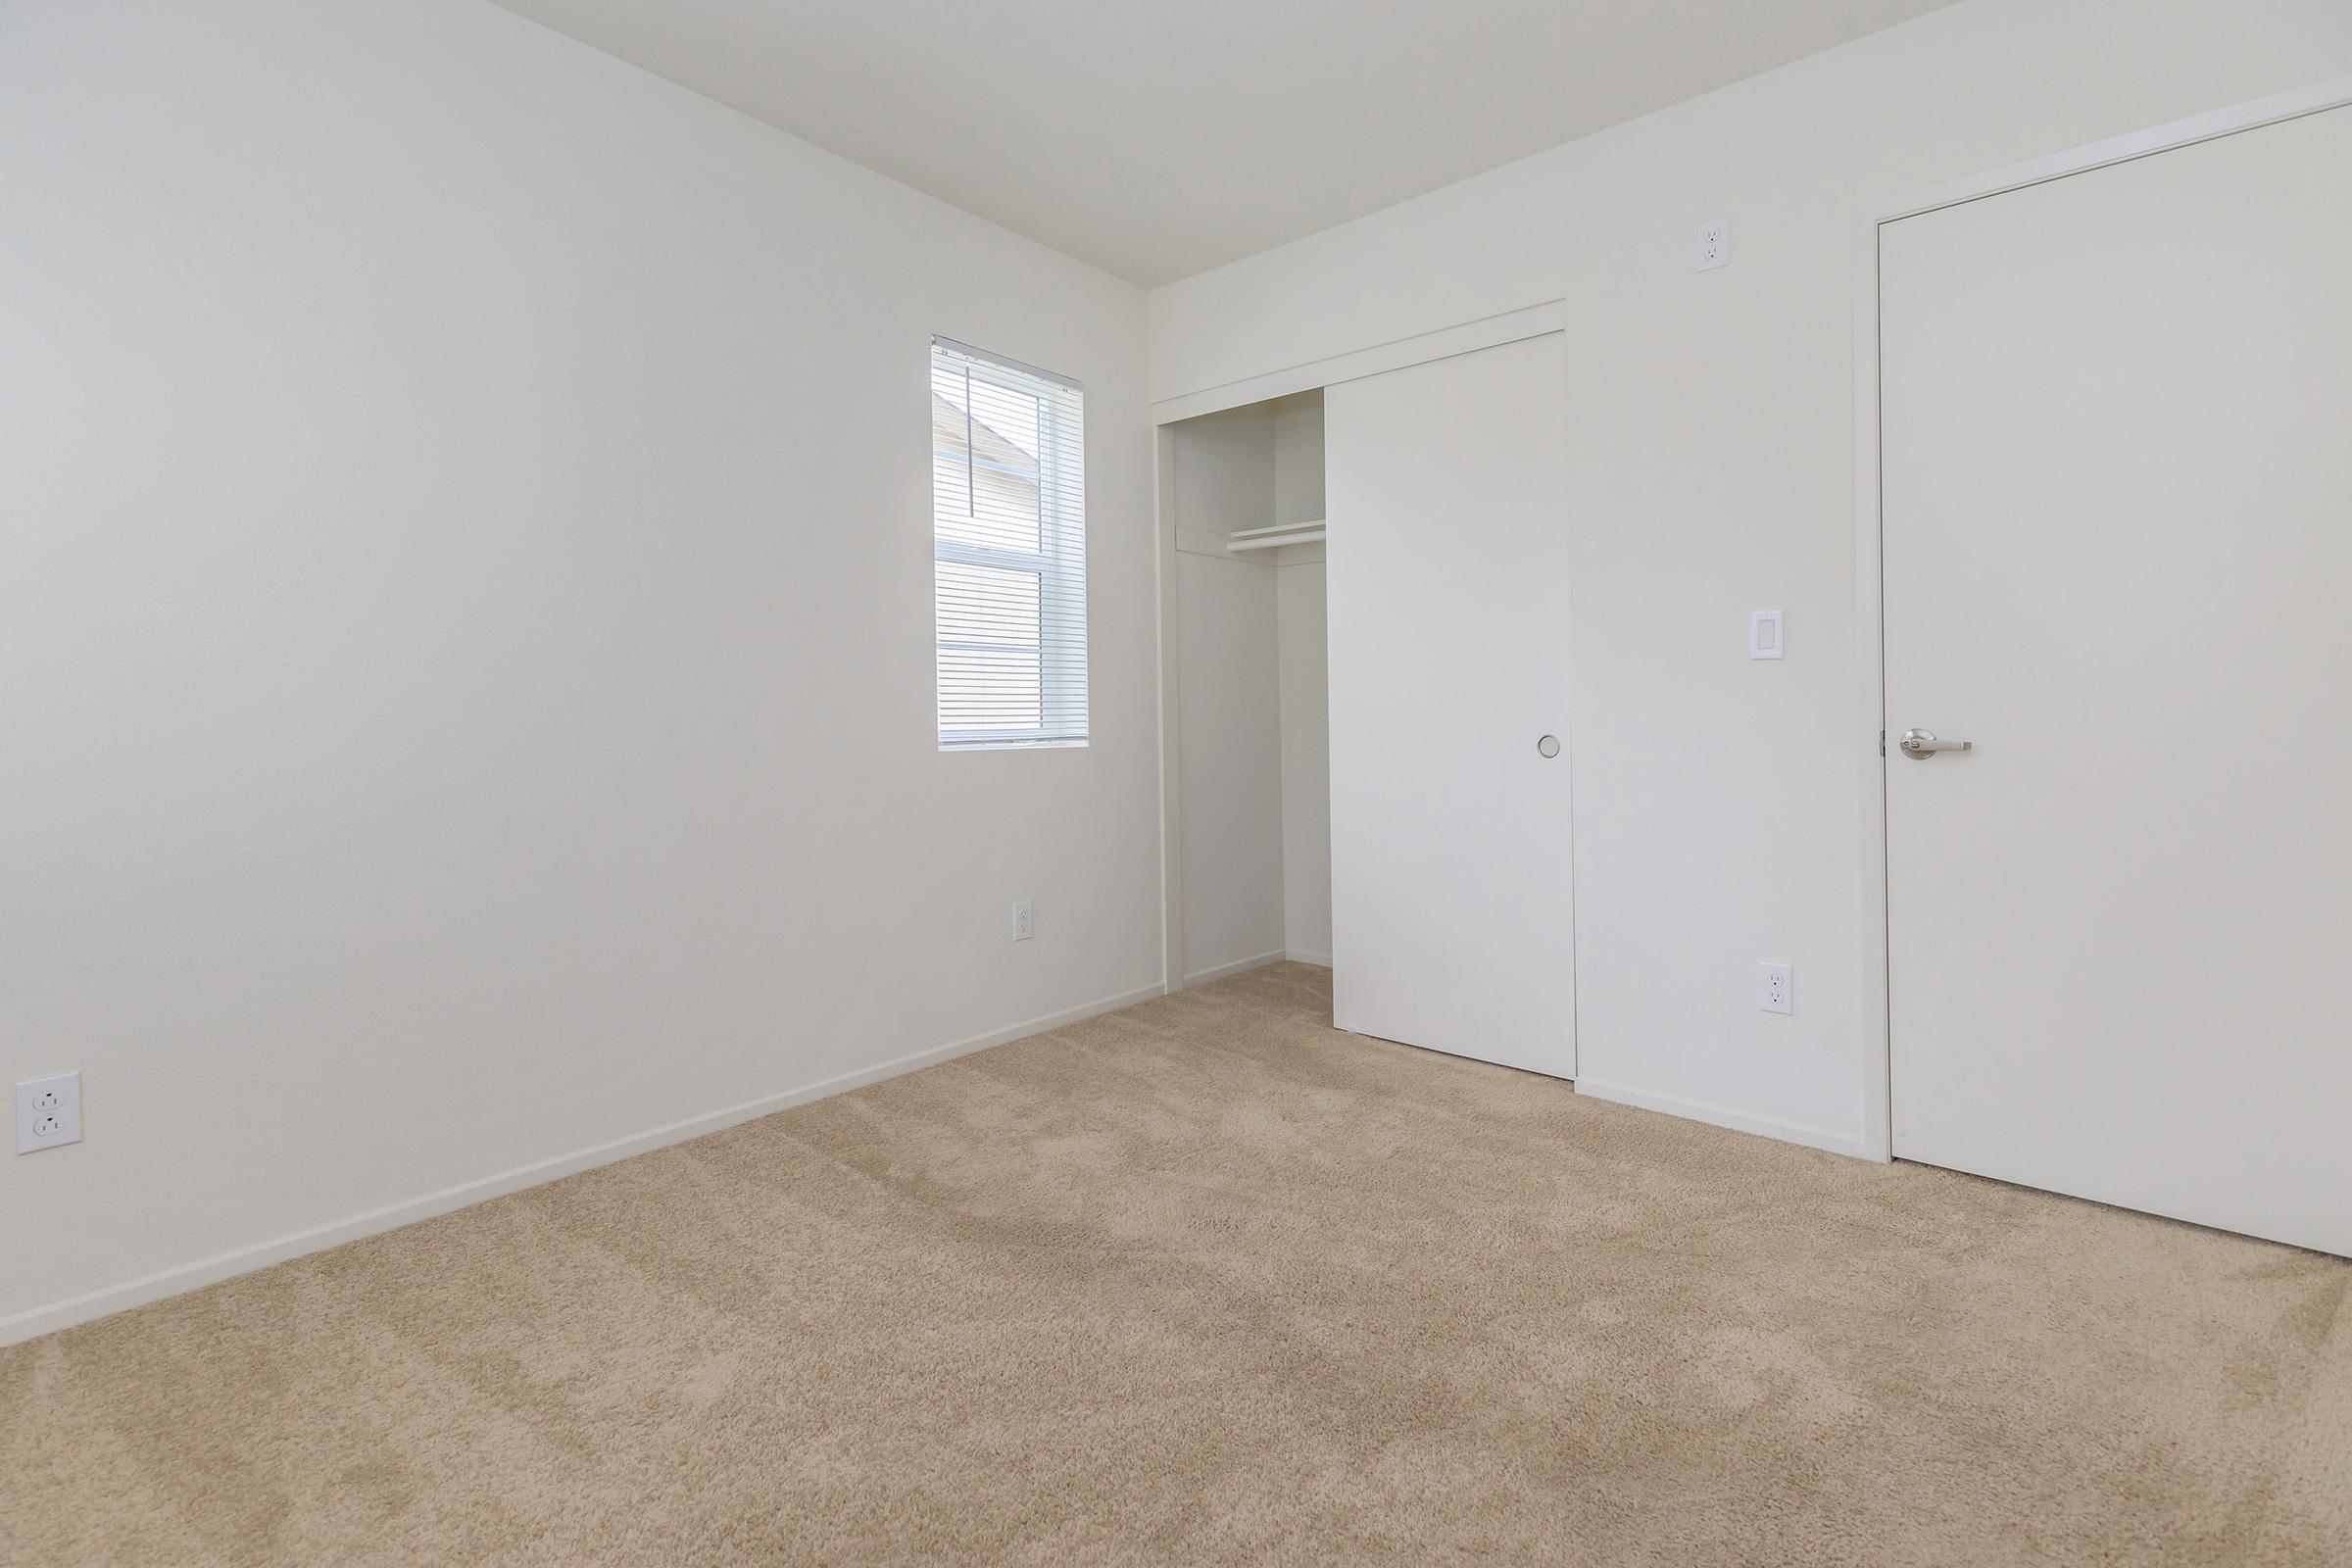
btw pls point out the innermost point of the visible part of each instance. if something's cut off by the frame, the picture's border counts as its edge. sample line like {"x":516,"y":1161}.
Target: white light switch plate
{"x":1765,"y":639}
{"x":48,"y":1112}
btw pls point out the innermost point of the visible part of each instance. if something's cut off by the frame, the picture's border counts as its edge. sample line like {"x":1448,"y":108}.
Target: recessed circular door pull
{"x":1548,"y":745}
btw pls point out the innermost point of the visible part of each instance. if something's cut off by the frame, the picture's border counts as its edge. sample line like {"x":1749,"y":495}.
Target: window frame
{"x":1061,"y":571}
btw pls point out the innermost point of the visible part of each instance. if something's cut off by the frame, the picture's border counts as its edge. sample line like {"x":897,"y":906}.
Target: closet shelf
{"x":1288,"y":533}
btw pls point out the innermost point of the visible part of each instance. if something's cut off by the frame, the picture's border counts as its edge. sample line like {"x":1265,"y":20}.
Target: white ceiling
{"x":1156,"y":138}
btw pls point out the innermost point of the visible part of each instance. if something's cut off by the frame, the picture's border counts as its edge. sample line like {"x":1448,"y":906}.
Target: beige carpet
{"x":1207,"y":1282}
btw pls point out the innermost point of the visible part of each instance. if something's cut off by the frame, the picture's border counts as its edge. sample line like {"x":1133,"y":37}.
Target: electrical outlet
{"x":1020,"y":921}
{"x":1714,"y":244}
{"x":1777,"y":991}
{"x":48,"y":1112}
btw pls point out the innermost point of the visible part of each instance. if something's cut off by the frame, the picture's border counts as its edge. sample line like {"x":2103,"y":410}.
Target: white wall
{"x":1231,"y":762}
{"x":1297,"y":457}
{"x":1302,"y":660}
{"x":1305,"y":668}
{"x":464,"y":595}
{"x":1229,"y":752}
{"x":1711,"y":435}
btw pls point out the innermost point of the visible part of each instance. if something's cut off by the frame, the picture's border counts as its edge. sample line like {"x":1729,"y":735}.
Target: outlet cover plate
{"x":1776,"y":988}
{"x":1714,"y":244}
{"x":48,"y":1112}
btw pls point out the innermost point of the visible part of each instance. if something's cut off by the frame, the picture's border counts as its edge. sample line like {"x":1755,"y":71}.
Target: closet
{"x":1365,"y":605}
{"x":1241,"y":521}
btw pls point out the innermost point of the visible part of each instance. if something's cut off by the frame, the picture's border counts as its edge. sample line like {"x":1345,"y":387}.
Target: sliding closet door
{"x":1447,"y":571}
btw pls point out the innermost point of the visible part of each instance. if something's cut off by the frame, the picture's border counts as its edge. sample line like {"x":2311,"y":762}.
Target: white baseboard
{"x":1321,"y":960}
{"x":185,"y":1277}
{"x":1238,"y":966}
{"x":1787,"y":1132}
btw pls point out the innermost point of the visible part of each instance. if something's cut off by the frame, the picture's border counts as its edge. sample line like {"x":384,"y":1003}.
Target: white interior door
{"x":1447,"y":490}
{"x":2117,"y":443}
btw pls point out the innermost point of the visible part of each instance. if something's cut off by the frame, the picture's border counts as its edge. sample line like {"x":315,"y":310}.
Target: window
{"x":1008,"y":541}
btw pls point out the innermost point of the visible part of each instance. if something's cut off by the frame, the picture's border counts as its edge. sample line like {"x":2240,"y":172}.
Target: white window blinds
{"x":1008,"y":537}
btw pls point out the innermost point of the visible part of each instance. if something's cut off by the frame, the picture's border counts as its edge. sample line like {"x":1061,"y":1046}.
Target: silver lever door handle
{"x":1923,"y":744}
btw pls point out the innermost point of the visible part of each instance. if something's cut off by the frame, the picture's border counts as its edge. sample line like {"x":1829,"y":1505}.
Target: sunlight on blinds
{"x":1009,"y":536}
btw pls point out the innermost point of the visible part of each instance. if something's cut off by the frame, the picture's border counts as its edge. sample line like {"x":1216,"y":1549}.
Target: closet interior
{"x":1250,"y":836}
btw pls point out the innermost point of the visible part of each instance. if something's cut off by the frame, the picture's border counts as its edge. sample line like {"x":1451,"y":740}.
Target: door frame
{"x":1878,"y":1044}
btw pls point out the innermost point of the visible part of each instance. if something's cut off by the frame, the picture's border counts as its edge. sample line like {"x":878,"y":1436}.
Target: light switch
{"x":1764,"y":634}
